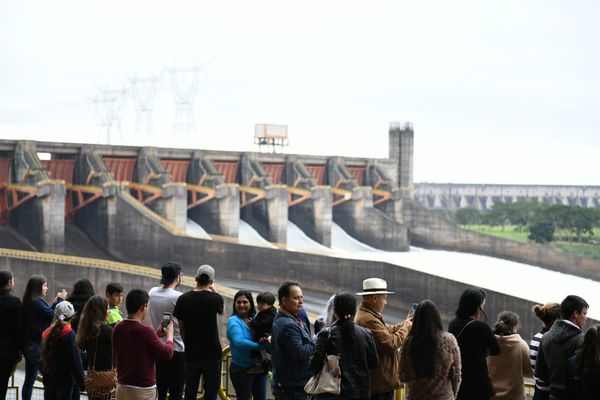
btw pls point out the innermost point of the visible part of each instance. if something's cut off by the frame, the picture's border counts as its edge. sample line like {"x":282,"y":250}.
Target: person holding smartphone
{"x":170,"y":375}
{"x":388,"y":338}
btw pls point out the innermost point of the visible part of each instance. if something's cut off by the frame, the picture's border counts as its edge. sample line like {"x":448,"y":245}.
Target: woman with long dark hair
{"x":94,"y":337}
{"x":37,"y":316}
{"x":430,"y":358}
{"x":508,"y":369}
{"x":242,"y":345}
{"x":355,"y":346}
{"x":476,"y":341}
{"x":82,"y":291}
{"x":583,"y":369}
{"x":60,"y":359}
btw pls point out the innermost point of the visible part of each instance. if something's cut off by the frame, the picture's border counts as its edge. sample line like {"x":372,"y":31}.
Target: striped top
{"x":534,"y":347}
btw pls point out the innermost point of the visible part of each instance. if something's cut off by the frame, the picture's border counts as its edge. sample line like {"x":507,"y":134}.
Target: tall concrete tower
{"x":401,"y":149}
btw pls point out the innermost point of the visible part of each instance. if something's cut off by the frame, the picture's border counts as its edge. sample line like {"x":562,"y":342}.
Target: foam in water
{"x":248,"y":235}
{"x":194,"y":230}
{"x":297,"y":240}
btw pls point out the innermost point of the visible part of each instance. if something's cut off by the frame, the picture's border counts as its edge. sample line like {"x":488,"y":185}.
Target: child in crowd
{"x":261,"y":326}
{"x":114,"y":295}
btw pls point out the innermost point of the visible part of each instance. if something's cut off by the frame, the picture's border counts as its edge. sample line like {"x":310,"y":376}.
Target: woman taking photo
{"x":430,"y":358}
{"x":94,"y":338}
{"x":37,"y":316}
{"x":355,"y":346}
{"x":508,"y":369}
{"x":240,"y":337}
{"x":60,"y":360}
{"x":82,"y":291}
{"x":475,"y":340}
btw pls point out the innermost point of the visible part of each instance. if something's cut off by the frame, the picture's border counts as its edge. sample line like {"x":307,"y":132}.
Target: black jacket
{"x":557,"y":346}
{"x":354,"y":364}
{"x":10,"y":326}
{"x":475,"y":341}
{"x":262,"y":324}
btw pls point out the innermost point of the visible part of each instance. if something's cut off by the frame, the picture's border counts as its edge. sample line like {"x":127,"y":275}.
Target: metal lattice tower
{"x":184,"y":84}
{"x":143,"y":92}
{"x":109,"y":105}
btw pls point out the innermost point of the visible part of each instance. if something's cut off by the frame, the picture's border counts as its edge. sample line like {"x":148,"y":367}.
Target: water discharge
{"x":521,"y":280}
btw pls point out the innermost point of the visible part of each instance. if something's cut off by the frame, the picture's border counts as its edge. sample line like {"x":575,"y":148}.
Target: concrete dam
{"x":136,"y":205}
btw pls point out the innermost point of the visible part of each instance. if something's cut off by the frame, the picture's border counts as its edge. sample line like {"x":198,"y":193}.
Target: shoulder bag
{"x":100,"y":384}
{"x":329,"y":380}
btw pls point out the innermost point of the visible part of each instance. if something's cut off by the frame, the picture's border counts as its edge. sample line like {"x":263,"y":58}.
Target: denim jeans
{"x":382,"y":396}
{"x":210,"y":371}
{"x":289,"y":393}
{"x":58,"y":390}
{"x":557,"y":395}
{"x":540,"y":395}
{"x":31,"y":353}
{"x":170,"y":376}
{"x":6,"y":367}
{"x":246,"y":384}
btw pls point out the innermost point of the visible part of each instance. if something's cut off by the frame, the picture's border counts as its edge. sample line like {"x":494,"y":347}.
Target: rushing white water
{"x":343,"y":243}
{"x":516,"y":279}
{"x":194,"y":230}
{"x":248,"y":235}
{"x":513,"y":278}
{"x":297,"y":240}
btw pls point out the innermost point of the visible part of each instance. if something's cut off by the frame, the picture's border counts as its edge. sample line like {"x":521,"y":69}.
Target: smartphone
{"x":413,"y":309}
{"x":166,"y":318}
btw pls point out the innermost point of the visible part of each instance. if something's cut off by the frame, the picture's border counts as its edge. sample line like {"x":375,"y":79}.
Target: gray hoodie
{"x":557,"y":345}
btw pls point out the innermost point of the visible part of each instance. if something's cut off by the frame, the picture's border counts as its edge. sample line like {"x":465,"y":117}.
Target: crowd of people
{"x":82,"y":342}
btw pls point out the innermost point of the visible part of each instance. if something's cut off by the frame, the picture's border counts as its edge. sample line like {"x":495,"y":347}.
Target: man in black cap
{"x":170,"y":374}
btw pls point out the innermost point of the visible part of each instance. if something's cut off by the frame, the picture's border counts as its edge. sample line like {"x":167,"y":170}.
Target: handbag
{"x":329,"y":379}
{"x":100,"y":380}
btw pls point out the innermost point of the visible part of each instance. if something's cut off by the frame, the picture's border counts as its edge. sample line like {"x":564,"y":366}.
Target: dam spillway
{"x":238,"y":211}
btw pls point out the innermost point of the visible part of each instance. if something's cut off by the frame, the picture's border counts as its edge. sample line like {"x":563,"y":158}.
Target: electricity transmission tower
{"x":109,"y":105}
{"x":184,"y":84}
{"x":143,"y":92}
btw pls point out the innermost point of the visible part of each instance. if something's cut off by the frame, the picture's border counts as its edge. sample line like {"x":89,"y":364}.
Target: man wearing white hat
{"x":388,"y":338}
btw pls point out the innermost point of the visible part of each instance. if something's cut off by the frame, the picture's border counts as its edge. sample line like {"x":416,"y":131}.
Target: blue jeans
{"x":31,"y":353}
{"x":557,"y":395}
{"x":58,"y":390}
{"x":210,"y":371}
{"x":289,"y":393}
{"x":540,"y":395}
{"x":246,"y":384}
{"x":382,"y":396}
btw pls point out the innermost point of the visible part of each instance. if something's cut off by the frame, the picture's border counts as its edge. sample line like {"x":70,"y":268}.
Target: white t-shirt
{"x":161,"y":301}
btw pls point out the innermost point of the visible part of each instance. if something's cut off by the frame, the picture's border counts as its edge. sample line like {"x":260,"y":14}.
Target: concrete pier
{"x":42,"y":218}
{"x":268,"y":215}
{"x":172,"y":204}
{"x":220,"y":215}
{"x":359,"y":218}
{"x":315,"y":214}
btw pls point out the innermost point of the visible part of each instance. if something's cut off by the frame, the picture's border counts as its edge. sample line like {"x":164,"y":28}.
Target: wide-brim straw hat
{"x":374,"y":286}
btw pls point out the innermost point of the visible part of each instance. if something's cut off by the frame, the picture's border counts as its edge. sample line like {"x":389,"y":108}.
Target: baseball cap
{"x":206,"y":270}
{"x":169,"y":271}
{"x":64,"y":310}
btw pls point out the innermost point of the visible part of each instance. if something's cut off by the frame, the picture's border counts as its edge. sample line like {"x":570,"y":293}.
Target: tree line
{"x":541,"y":220}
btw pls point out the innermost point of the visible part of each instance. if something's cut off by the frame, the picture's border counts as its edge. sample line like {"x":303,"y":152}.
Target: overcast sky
{"x":498,"y":91}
